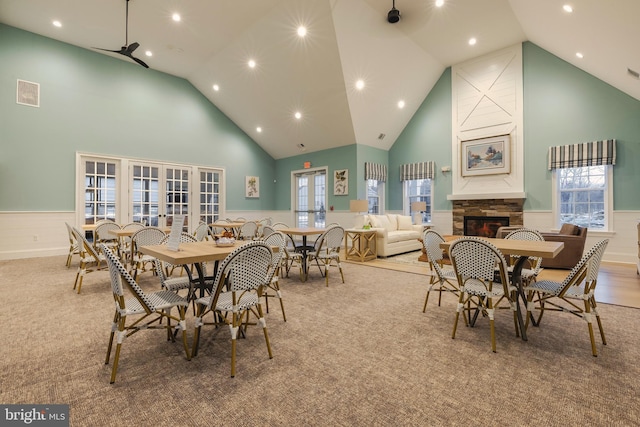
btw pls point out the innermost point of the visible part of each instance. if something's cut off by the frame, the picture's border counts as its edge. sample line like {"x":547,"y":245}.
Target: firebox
{"x":484,"y":226}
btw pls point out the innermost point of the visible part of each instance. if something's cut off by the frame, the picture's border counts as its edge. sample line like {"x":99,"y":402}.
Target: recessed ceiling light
{"x":176,"y":17}
{"x":216,"y":87}
{"x":148,"y":53}
{"x":567,"y":8}
{"x":57,"y":24}
{"x":401,"y":104}
{"x":472,"y":41}
{"x":259,"y":129}
{"x":579,"y":55}
{"x":252,"y":63}
{"x":302,"y":31}
{"x":360,"y":84}
{"x":298,"y":115}
{"x":439,"y":3}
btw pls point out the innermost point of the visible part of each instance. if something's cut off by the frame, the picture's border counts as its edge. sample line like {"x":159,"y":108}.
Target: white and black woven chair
{"x":202,"y":231}
{"x":238,"y":290}
{"x":530,"y":274}
{"x":140,"y":312}
{"x":102,"y":234}
{"x":327,"y":250}
{"x":580,"y":284}
{"x":248,"y":231}
{"x":146,"y":236}
{"x":442,"y":279}
{"x":272,"y":288}
{"x":90,"y":259}
{"x":73,"y":245}
{"x":165,"y":270}
{"x":125,"y":242}
{"x":483,"y":278}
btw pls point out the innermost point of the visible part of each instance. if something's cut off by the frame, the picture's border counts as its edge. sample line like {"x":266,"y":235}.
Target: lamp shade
{"x":358,"y":205}
{"x":419,"y":206}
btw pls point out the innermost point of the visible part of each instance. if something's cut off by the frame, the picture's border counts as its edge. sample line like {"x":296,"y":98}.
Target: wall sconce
{"x":417,"y":208}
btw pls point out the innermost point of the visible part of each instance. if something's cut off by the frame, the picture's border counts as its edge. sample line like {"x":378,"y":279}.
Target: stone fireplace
{"x":497,"y":211}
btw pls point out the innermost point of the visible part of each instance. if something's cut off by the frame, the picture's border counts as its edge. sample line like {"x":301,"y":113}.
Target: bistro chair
{"x":102,"y":235}
{"x":125,"y":242}
{"x":530,"y":274}
{"x":89,"y":257}
{"x":73,"y":245}
{"x":444,"y":279}
{"x":144,"y":237}
{"x":580,"y":284}
{"x":202,"y":231}
{"x":327,"y":250}
{"x":164,"y":270}
{"x":248,"y":231}
{"x":475,"y":261}
{"x":242,"y":275}
{"x":266,"y":230}
{"x":272,"y":288}
{"x":143,"y":311}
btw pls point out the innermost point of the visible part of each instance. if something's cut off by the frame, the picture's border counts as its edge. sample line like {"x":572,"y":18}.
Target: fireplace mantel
{"x":485,"y":196}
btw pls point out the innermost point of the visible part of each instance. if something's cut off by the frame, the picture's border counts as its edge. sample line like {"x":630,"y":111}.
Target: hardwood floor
{"x":617,"y":283}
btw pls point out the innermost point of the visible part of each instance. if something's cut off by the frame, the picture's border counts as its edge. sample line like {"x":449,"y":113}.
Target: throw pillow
{"x":404,"y":222}
{"x":393,"y":222}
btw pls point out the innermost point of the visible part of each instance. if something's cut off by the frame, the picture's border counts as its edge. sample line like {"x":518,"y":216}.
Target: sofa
{"x":574,"y":238}
{"x":395,"y":234}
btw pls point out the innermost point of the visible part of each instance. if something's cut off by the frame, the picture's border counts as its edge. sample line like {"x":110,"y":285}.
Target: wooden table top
{"x":193,"y":252}
{"x":302,"y":231}
{"x":128,"y":232}
{"x":542,"y":248}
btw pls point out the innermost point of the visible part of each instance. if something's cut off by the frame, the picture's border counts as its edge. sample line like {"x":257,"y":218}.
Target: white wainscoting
{"x":34,"y":234}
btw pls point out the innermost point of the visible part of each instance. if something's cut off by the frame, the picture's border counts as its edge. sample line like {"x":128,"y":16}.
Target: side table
{"x":362,"y":244}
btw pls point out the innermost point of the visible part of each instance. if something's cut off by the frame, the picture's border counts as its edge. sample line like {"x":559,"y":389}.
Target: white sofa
{"x":395,"y":234}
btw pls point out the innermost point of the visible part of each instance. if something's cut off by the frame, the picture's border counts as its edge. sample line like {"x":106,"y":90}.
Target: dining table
{"x":304,"y":248}
{"x":523,"y":249}
{"x":195,"y":253}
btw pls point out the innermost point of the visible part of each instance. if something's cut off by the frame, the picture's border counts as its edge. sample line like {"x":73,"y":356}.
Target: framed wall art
{"x":252,"y":186}
{"x":486,"y":156}
{"x":341,"y":182}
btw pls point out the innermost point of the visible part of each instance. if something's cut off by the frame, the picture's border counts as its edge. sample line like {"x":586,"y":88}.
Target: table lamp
{"x":417,"y":208}
{"x":359,"y":206}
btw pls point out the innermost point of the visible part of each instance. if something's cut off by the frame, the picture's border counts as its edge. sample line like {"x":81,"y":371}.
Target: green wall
{"x":334,"y":159}
{"x":427,"y":137}
{"x":90,"y":102}
{"x":562,"y":105}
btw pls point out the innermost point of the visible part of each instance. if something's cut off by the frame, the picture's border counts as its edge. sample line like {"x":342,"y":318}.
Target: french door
{"x":158,"y":193}
{"x":310,"y":195}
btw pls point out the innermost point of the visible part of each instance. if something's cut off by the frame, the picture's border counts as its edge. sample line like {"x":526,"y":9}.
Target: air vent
{"x":28,"y":93}
{"x":381,"y":136}
{"x":301,"y":147}
{"x":633,"y":73}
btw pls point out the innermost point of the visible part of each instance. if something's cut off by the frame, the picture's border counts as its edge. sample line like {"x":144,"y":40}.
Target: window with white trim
{"x":582,"y":196}
{"x":375,"y":196}
{"x":418,"y":190}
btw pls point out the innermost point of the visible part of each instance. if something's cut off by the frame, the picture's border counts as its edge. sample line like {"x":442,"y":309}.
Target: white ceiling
{"x":347,"y":40}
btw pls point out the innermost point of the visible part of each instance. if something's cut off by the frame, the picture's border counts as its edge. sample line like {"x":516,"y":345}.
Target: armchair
{"x":574,"y":238}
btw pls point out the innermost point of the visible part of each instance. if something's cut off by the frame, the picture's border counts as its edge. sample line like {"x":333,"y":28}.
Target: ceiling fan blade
{"x":133,"y":46}
{"x":108,"y":50}
{"x":139,"y":61}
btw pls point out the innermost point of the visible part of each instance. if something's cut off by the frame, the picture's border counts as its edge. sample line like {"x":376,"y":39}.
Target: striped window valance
{"x":594,"y":153}
{"x":422,"y":170}
{"x":375,"y":171}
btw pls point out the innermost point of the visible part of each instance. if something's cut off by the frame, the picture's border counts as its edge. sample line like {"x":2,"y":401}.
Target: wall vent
{"x":381,"y":136}
{"x":28,"y":93}
{"x":633,"y":73}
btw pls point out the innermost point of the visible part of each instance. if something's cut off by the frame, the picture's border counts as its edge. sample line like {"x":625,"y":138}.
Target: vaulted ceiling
{"x":346,"y":41}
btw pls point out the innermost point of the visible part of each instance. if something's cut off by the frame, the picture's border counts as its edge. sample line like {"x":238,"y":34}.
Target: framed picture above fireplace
{"x":486,"y":156}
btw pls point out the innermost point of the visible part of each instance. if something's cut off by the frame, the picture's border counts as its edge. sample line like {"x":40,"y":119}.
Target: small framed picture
{"x":486,"y":156}
{"x":341,"y":182}
{"x":252,"y":186}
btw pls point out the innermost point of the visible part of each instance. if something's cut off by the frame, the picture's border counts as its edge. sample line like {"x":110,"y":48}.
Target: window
{"x":583,"y":196}
{"x":375,"y":192}
{"x":99,"y":190}
{"x":418,"y":190}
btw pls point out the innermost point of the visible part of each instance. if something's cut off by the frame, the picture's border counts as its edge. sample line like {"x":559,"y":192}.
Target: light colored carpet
{"x":355,"y":354}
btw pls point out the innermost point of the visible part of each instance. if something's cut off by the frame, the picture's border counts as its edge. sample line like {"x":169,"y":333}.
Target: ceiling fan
{"x":128,"y":49}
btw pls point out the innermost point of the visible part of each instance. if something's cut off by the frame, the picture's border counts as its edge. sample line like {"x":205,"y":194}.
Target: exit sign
{"x":307,"y":165}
